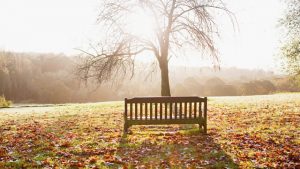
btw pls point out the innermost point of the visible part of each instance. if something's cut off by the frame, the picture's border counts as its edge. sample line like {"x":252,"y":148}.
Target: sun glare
{"x":141,"y":24}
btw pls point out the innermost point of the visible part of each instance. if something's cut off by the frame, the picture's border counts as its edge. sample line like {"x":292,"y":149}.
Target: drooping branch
{"x":108,"y":64}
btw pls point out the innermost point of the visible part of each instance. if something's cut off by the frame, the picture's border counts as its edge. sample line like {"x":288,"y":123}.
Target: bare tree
{"x":178,"y":24}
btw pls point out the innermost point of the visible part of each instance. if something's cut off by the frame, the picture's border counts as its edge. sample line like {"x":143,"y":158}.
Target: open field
{"x":243,"y":132}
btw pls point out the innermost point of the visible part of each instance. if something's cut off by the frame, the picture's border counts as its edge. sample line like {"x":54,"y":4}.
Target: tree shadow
{"x":162,"y":146}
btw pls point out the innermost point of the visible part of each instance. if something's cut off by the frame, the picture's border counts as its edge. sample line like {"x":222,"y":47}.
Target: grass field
{"x":243,"y":132}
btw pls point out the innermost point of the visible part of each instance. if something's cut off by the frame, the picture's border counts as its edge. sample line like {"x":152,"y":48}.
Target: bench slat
{"x":160,"y":110}
{"x":125,"y":109}
{"x":195,"y":109}
{"x":185,"y":110}
{"x":165,"y":99}
{"x":180,"y":110}
{"x":136,"y":111}
{"x":200,"y":110}
{"x":151,"y":111}
{"x":175,"y":110}
{"x":190,"y":109}
{"x":167,"y":121}
{"x":166,"y":110}
{"x":171,"y":110}
{"x":155,"y":111}
{"x":130,"y":111}
{"x":146,"y":110}
{"x":141,"y":110}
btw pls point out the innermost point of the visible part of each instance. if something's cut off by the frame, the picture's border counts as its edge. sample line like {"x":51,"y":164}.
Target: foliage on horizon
{"x":4,"y":103}
{"x":49,"y":78}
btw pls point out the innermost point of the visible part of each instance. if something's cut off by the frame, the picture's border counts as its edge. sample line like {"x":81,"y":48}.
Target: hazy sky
{"x":59,"y":26}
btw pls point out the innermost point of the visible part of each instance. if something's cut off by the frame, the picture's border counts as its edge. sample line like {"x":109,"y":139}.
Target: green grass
{"x":4,"y":103}
{"x":243,"y":132}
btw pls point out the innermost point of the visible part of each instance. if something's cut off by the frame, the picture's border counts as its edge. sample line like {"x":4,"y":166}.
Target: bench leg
{"x":126,"y":128}
{"x":205,"y":128}
{"x":200,"y":127}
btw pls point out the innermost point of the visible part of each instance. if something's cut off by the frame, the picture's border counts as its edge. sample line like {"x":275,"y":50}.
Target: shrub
{"x":4,"y":102}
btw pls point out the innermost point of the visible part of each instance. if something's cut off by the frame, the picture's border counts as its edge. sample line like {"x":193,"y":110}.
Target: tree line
{"x":52,"y":78}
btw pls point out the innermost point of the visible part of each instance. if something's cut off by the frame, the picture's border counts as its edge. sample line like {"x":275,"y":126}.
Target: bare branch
{"x":178,"y":24}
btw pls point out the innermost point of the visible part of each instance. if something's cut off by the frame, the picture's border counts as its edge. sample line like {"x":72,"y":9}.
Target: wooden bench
{"x":165,"y":110}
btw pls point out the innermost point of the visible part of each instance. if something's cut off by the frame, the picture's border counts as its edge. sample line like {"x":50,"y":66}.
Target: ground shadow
{"x":66,"y":143}
{"x":166,"y":147}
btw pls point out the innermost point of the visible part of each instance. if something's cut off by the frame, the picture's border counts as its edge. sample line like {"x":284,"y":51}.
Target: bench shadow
{"x":168,"y":147}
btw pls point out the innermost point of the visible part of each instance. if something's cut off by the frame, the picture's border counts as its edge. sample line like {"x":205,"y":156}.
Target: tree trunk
{"x":165,"y":85}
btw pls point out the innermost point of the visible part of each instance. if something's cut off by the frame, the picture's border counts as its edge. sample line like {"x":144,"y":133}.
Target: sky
{"x":62,"y":26}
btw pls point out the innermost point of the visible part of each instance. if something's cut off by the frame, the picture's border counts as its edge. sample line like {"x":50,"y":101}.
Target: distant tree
{"x":214,"y":87}
{"x":177,"y":24}
{"x":257,"y":87}
{"x":214,"y":82}
{"x":193,"y":86}
{"x":226,"y":90}
{"x":267,"y":86}
{"x":291,"y":49}
{"x":286,"y":85}
{"x":180,"y":90}
{"x":248,"y":89}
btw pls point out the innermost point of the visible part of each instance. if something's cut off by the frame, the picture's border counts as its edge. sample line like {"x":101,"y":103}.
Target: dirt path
{"x":29,"y":108}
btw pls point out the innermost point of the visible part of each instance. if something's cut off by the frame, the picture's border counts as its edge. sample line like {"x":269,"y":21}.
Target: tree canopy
{"x":291,"y":48}
{"x":175,"y":25}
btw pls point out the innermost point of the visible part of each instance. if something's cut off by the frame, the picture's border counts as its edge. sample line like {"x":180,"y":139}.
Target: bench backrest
{"x":162,"y":108}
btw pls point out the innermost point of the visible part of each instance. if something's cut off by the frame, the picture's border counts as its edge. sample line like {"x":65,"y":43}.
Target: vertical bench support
{"x":205,"y":115}
{"x":125,"y":117}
